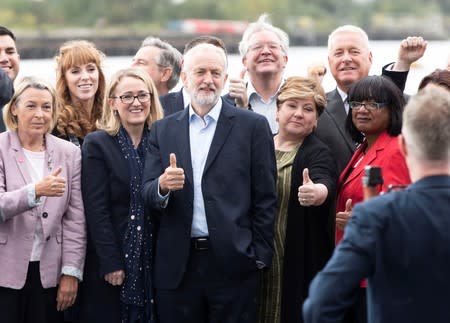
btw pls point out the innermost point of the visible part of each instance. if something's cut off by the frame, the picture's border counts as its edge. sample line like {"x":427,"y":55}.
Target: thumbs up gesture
{"x":343,"y":217}
{"x":173,"y":177}
{"x":310,"y":193}
{"x":238,"y":90}
{"x":51,"y":185}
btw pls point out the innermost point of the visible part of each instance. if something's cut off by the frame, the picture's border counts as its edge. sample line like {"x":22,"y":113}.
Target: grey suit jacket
{"x":331,"y":130}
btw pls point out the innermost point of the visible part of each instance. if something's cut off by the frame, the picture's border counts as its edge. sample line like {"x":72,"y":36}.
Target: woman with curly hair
{"x":80,"y":88}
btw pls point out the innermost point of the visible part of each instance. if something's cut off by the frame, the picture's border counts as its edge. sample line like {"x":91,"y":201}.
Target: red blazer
{"x":384,"y":153}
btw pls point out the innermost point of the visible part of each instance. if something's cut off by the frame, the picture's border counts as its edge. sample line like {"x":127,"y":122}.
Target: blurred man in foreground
{"x":400,"y":240}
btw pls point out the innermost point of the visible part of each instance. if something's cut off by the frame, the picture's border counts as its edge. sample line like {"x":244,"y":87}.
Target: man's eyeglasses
{"x":355,"y":105}
{"x":128,"y":98}
{"x":260,"y":46}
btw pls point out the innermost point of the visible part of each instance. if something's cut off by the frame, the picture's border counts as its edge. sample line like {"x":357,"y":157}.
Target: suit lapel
{"x":181,"y":134}
{"x":223,"y":128}
{"x":179,"y":101}
{"x":336,"y":110}
{"x":20,"y":157}
{"x":371,"y":155}
{"x":52,"y":159}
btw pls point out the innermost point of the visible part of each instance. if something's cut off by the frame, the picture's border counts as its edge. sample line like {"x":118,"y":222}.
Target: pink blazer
{"x":62,"y":218}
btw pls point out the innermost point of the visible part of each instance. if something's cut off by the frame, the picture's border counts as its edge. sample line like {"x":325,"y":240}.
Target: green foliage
{"x":314,"y":16}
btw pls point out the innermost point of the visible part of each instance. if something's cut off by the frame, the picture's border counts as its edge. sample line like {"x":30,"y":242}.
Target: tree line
{"x":295,"y":16}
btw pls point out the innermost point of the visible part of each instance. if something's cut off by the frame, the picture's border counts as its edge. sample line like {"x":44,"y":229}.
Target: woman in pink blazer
{"x":42,"y":223}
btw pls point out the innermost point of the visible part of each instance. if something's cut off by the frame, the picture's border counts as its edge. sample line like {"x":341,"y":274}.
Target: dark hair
{"x":205,"y":39}
{"x":438,"y":77}
{"x":6,"y":32}
{"x":379,"y":89}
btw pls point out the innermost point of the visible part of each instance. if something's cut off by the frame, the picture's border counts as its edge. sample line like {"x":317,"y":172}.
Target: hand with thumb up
{"x":343,"y":217}
{"x":51,"y":185}
{"x":173,"y":177}
{"x":238,"y":90}
{"x":310,"y":193}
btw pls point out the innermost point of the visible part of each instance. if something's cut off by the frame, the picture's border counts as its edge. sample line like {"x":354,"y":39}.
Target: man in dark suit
{"x":6,"y":92}
{"x":400,"y":240}
{"x":216,"y":197}
{"x":161,"y":61}
{"x":9,"y":63}
{"x":176,"y":101}
{"x":350,"y":60}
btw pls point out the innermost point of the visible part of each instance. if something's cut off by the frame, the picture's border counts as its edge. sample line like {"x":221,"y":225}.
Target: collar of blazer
{"x":373,"y":153}
{"x":223,"y":129}
{"x":19,"y":156}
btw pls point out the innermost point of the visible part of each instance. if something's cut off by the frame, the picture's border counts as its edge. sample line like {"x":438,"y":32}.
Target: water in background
{"x":299,"y":58}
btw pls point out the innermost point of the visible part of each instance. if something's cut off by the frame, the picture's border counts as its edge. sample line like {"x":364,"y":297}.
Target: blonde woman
{"x":42,"y":223}
{"x":117,"y":287}
{"x":306,"y":186}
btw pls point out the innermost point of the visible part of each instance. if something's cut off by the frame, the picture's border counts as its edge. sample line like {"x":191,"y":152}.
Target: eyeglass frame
{"x":258,"y":47}
{"x":121,"y":97}
{"x":368,"y":105}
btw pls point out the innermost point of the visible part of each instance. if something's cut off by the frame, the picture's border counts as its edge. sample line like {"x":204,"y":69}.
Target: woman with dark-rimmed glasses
{"x":117,"y":285}
{"x":374,"y":121}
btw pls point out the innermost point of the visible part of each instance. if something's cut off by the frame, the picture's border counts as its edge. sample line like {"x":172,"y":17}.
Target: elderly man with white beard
{"x":210,"y":177}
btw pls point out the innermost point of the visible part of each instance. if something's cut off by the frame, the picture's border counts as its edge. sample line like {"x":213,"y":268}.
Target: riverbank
{"x":41,"y":44}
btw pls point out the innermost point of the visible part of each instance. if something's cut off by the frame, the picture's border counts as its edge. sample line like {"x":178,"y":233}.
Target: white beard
{"x":208,"y":100}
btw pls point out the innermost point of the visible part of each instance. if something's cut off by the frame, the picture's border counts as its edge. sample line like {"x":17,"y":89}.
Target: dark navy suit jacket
{"x":6,"y":92}
{"x":239,"y":192}
{"x":172,"y":102}
{"x":400,"y":241}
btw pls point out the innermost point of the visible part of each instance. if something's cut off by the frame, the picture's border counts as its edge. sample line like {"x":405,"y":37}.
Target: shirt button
{"x":45,"y":215}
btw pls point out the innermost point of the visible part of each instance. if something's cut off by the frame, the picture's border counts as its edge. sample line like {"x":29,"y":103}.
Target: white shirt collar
{"x":343,"y":94}
{"x":213,"y":113}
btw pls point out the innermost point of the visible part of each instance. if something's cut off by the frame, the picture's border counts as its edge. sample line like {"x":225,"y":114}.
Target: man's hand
{"x":67,"y":292}
{"x":317,"y":71}
{"x":238,"y":90}
{"x":411,"y":49}
{"x":173,"y":177}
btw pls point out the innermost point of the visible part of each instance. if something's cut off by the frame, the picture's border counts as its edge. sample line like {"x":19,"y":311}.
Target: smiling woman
{"x":375,"y":122}
{"x":42,"y":221}
{"x":80,"y":87}
{"x":118,"y":284}
{"x":304,"y":228}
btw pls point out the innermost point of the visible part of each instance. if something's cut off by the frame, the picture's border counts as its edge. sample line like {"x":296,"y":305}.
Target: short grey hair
{"x":187,"y":65}
{"x":426,"y":121}
{"x":348,"y":29}
{"x":262,"y":24}
{"x":169,"y":57}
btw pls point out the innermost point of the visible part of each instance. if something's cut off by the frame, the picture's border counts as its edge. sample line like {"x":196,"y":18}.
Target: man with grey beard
{"x":210,"y":176}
